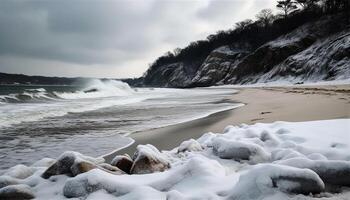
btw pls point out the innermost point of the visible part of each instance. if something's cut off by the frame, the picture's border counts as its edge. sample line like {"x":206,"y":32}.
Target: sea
{"x":93,"y":118}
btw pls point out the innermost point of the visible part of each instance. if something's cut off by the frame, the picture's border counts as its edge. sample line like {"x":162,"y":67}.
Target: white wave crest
{"x":97,"y":88}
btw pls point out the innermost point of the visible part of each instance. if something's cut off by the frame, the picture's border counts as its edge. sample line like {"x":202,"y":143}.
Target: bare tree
{"x":287,"y":6}
{"x":265,"y":16}
{"x":243,"y":24}
{"x":307,"y":4}
{"x":177,"y":51}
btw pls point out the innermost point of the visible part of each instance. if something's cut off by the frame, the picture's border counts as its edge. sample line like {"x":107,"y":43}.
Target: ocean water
{"x":94,"y":118}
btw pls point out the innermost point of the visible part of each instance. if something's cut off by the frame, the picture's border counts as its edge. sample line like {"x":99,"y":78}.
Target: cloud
{"x":105,"y":37}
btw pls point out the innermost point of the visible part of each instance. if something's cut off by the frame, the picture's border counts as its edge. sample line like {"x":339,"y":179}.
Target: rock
{"x":16,"y":192}
{"x":265,"y":179}
{"x":111,"y":169}
{"x":190,"y":145}
{"x":79,"y":188}
{"x":85,"y":184}
{"x":61,"y":166}
{"x":45,"y":162}
{"x":80,"y":167}
{"x":330,"y":54}
{"x":217,"y":65}
{"x":331,"y":171}
{"x":123,"y":162}
{"x":178,"y":74}
{"x":7,"y":180}
{"x":20,"y":171}
{"x":65,"y":162}
{"x":229,"y":149}
{"x":148,"y":159}
{"x":298,"y":184}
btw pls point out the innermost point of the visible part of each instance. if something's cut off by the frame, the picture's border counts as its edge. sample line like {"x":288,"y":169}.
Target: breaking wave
{"x":93,"y":89}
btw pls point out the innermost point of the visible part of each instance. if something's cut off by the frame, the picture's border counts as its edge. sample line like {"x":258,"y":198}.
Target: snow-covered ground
{"x":280,"y":160}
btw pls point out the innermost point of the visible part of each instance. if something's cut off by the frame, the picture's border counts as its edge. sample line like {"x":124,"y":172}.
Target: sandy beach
{"x":263,"y":104}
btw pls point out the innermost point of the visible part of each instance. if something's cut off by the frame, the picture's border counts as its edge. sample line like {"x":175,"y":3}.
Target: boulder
{"x":123,"y":162}
{"x":20,"y":171}
{"x":148,"y":159}
{"x":16,"y":192}
{"x":332,"y":172}
{"x":85,"y":184}
{"x":189,"y":145}
{"x":79,"y":188}
{"x":45,"y":162}
{"x":297,"y":184}
{"x":111,"y":169}
{"x":64,"y":164}
{"x":7,"y":180}
{"x":81,"y":166}
{"x":239,"y":150}
{"x":264,"y":179}
{"x":61,"y":166}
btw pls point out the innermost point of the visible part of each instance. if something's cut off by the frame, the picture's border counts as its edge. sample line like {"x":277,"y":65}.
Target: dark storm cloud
{"x":104,"y":36}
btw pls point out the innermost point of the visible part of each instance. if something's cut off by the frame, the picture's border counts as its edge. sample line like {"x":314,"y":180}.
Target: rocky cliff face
{"x":217,"y":66}
{"x":313,"y":52}
{"x":173,"y":75}
{"x":326,"y":59}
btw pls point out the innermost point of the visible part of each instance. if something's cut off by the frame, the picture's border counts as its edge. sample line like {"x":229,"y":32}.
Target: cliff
{"x":315,"y":51}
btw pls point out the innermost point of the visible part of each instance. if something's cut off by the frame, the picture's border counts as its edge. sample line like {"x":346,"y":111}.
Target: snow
{"x":280,"y":160}
{"x":190,"y":145}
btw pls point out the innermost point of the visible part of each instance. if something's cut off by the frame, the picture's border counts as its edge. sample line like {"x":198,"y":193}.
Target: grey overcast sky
{"x":107,"y":38}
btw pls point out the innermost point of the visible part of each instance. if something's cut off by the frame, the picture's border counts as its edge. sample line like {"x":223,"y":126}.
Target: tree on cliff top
{"x":286,"y":6}
{"x":265,"y":16}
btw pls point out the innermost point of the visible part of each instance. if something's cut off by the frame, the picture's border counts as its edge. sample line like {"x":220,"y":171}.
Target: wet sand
{"x":267,"y":104}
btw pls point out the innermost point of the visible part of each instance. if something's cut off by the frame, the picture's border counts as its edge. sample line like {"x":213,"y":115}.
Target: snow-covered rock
{"x":16,"y":192}
{"x":123,"y":162}
{"x":148,"y":159}
{"x":20,"y":172}
{"x":190,"y":145}
{"x":68,"y":160}
{"x":332,"y":172}
{"x":110,"y":168}
{"x":265,"y":178}
{"x":302,"y":160}
{"x":236,"y":150}
{"x":8,"y":180}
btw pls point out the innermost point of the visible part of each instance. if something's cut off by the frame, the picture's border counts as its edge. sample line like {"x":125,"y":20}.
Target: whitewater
{"x":94,"y":117}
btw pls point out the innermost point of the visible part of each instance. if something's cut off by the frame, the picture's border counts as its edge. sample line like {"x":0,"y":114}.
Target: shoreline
{"x":265,"y":105}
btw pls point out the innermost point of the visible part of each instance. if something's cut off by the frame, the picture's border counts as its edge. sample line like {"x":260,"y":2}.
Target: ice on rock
{"x":148,"y":159}
{"x":68,"y":160}
{"x":332,"y":172}
{"x":316,"y":156}
{"x":298,"y":158}
{"x":229,"y":149}
{"x":16,"y":192}
{"x":282,"y":154}
{"x":265,"y":179}
{"x":205,"y":139}
{"x":8,"y":180}
{"x":20,"y":171}
{"x":204,"y":173}
{"x":123,"y":162}
{"x":45,"y":162}
{"x":190,"y":145}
